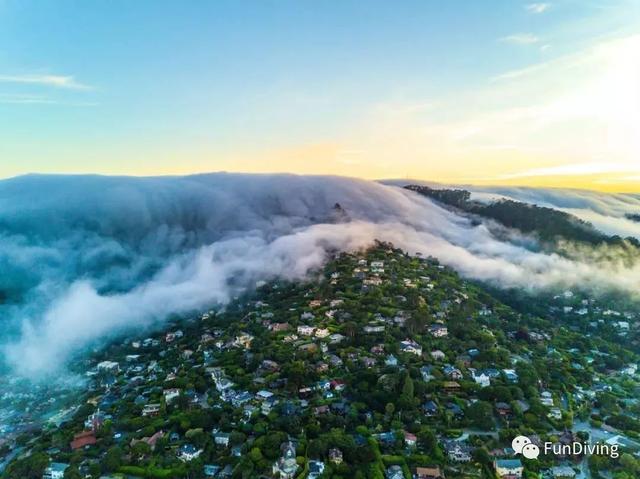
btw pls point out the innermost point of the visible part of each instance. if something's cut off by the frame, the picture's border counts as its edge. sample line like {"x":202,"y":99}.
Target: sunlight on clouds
{"x":578,"y":116}
{"x":521,"y":39}
{"x":537,"y":7}
{"x":56,"y":81}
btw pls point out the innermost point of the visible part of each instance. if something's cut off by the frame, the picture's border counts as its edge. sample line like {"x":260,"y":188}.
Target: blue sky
{"x":157,"y":87}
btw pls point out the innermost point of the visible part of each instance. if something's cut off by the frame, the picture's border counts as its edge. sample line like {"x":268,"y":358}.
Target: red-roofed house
{"x":82,"y":439}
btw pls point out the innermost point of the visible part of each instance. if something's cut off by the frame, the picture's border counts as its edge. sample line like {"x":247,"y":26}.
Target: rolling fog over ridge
{"x":606,"y":211}
{"x":85,"y":258}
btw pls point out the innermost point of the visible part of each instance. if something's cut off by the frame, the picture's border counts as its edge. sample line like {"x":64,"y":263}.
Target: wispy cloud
{"x":519,"y":73}
{"x":537,"y":7}
{"x":521,"y":39}
{"x":25,"y":100}
{"x":591,"y":168}
{"x":57,"y":81}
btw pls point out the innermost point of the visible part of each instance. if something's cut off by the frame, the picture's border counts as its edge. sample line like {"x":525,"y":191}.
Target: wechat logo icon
{"x":523,"y":445}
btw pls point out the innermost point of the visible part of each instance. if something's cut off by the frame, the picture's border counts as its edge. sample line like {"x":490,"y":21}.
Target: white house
{"x":171,"y":394}
{"x":55,"y":470}
{"x":410,"y":346}
{"x":508,"y":468}
{"x":482,"y":379}
{"x":306,"y":330}
{"x":108,"y":366}
{"x":322,"y":333}
{"x":188,"y":452}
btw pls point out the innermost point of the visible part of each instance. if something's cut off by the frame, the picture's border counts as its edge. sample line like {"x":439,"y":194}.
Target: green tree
{"x":112,"y":459}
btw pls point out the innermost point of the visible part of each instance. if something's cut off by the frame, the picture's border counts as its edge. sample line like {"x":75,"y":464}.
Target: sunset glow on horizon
{"x":487,"y":93}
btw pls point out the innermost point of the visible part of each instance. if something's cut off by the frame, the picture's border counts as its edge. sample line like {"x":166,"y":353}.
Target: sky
{"x":493,"y":92}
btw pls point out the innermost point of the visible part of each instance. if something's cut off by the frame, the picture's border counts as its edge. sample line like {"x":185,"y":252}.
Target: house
{"x":481,"y":379}
{"x":523,"y":406}
{"x":503,"y":409}
{"x":322,"y":333}
{"x":241,"y":398}
{"x":410,"y":346}
{"x":248,"y":411}
{"x":555,"y":413}
{"x":454,"y":409}
{"x":511,"y":375}
{"x":320,"y":410}
{"x":149,"y":440}
{"x":377,"y":349}
{"x":171,"y":394}
{"x":335,"y":455}
{"x":437,"y":355}
{"x":425,"y":371}
{"x":151,"y":409}
{"x":243,"y":340}
{"x":428,"y":473}
{"x":452,"y":372}
{"x":55,"y":470}
{"x":508,"y":468}
{"x":95,"y":421}
{"x":338,"y":385}
{"x":546,"y":398}
{"x":377,"y":265}
{"x":278,"y":327}
{"x":221,"y":438}
{"x":391,"y":361}
{"x":322,"y":368}
{"x":386,"y":438}
{"x":267,"y":405}
{"x":394,"y":472}
{"x":305,"y":330}
{"x":264,"y":395}
{"x":211,"y":470}
{"x":451,"y":387}
{"x":108,"y":366}
{"x":430,"y":408}
{"x":316,"y":468}
{"x":372,"y":281}
{"x":373,"y":328}
{"x":457,"y":451}
{"x":368,"y":362}
{"x":438,"y":330}
{"x":335,"y":361}
{"x":562,"y":472}
{"x":83,"y":439}
{"x":286,"y":467}
{"x":188,"y":452}
{"x":410,"y":440}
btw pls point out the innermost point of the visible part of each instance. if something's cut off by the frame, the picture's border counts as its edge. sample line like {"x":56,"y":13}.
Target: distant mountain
{"x":548,"y":223}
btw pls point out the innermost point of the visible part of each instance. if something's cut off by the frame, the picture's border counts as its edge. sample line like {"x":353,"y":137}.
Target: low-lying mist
{"x":87,"y":258}
{"x":607,"y":212}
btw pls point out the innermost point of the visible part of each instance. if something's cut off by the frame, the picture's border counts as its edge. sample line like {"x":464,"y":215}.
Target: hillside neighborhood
{"x":384,"y":366}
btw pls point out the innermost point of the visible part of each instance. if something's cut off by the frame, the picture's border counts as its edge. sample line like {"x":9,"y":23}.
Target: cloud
{"x":91,"y":258}
{"x":57,"y":81}
{"x":520,"y":39}
{"x":574,"y":169}
{"x":605,"y":211}
{"x":576,"y":109}
{"x":25,"y":100}
{"x":10,"y":99}
{"x":537,"y":8}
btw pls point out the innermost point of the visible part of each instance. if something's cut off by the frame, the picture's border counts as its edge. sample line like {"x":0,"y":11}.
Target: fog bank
{"x":87,"y":258}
